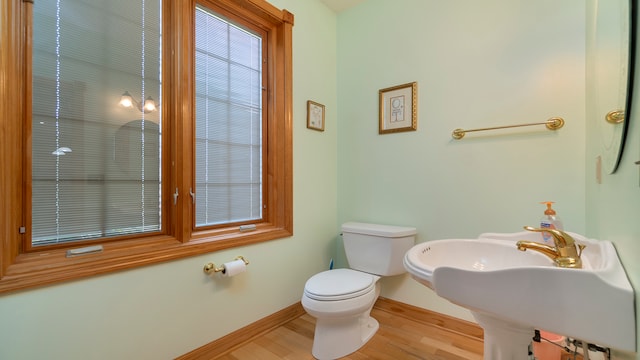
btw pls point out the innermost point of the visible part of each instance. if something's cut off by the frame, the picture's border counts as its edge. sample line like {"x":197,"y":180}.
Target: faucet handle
{"x":568,"y":252}
{"x":561,"y":238}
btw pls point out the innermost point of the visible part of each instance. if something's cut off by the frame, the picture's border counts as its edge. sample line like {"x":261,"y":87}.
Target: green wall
{"x":477,"y":64}
{"x":613,"y":206}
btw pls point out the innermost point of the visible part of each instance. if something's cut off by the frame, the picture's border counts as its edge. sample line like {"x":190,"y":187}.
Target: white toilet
{"x":342,"y":299}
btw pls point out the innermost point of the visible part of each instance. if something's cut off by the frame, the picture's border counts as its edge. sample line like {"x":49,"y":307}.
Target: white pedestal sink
{"x":510,"y":293}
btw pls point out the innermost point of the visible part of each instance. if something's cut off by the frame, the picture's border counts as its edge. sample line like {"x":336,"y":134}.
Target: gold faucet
{"x":566,"y":252}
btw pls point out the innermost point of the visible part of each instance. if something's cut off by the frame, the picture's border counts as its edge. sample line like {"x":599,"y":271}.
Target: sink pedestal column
{"x":504,"y":340}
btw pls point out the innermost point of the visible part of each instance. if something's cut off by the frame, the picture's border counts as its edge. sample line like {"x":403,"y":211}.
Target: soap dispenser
{"x":550,"y":221}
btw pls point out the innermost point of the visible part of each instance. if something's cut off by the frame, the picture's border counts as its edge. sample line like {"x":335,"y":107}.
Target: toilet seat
{"x":339,"y":284}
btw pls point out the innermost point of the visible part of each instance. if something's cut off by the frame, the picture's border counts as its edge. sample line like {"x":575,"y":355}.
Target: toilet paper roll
{"x":233,"y":268}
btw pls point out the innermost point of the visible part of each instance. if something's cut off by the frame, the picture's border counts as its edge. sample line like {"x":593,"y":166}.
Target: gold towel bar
{"x":554,"y":123}
{"x":211,"y":267}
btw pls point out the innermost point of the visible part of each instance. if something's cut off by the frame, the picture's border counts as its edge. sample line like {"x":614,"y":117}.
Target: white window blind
{"x":228,"y":121}
{"x":95,"y":165}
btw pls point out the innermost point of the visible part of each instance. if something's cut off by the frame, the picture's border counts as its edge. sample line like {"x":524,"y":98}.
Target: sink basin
{"x":468,"y":254}
{"x":510,"y":291}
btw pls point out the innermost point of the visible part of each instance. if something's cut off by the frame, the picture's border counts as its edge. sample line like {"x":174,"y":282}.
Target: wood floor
{"x":398,"y":338}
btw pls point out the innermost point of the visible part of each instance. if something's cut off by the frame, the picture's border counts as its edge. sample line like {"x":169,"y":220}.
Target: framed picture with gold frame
{"x":399,"y":108}
{"x":315,"y":115}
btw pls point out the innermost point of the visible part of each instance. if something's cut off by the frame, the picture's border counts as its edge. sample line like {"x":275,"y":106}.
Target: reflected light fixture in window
{"x":149,"y":105}
{"x":61,"y":151}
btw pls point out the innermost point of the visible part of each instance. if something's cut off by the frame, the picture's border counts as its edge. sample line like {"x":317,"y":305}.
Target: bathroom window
{"x":151,"y":130}
{"x":95,"y":166}
{"x":229,"y":113}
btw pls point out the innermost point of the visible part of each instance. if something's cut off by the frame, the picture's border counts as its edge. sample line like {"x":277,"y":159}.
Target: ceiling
{"x":340,"y":5}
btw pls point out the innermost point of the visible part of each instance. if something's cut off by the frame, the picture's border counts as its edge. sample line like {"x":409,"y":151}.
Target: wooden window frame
{"x":20,"y":269}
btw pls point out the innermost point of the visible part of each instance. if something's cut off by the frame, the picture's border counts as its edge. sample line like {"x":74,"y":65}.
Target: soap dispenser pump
{"x":550,"y":221}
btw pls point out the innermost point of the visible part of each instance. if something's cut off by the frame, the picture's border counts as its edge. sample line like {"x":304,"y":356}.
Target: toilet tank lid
{"x":378,"y":229}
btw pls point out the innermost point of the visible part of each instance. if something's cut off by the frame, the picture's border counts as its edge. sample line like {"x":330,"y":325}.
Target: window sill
{"x":51,"y":267}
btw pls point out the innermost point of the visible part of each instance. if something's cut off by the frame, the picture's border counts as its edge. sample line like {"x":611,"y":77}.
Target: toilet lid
{"x":338,"y":284}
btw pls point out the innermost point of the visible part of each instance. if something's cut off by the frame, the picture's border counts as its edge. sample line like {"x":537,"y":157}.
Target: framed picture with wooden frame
{"x":399,"y":108}
{"x":315,"y":115}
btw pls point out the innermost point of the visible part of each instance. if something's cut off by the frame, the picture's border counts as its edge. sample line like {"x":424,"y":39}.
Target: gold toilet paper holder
{"x":211,"y":267}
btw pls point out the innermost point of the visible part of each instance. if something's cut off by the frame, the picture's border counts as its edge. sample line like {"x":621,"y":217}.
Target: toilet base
{"x":338,"y":337}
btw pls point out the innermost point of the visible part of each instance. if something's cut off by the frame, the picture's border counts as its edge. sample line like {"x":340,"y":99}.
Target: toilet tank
{"x":377,"y":249}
